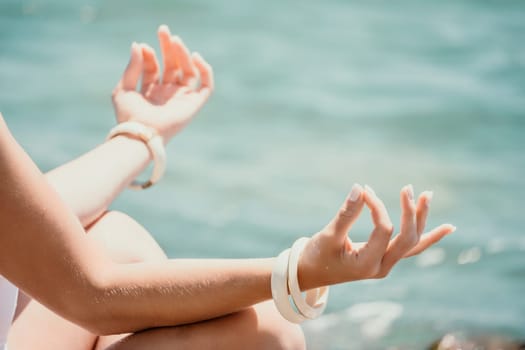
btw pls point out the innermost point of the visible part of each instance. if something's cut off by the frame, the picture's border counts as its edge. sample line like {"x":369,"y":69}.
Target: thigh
{"x":259,"y":327}
{"x":124,"y":239}
{"x":36,"y":327}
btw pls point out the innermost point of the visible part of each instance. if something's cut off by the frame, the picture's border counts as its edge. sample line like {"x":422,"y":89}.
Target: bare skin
{"x":126,"y":241}
{"x":88,"y":191}
{"x":169,"y":102}
{"x":96,"y":291}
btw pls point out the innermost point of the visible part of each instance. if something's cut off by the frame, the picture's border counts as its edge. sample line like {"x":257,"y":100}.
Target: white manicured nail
{"x":410,"y":192}
{"x":355,"y":193}
{"x":429,"y":195}
{"x":370,"y":190}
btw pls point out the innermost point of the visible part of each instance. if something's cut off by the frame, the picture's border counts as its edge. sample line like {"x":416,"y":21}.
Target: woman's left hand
{"x":331,"y":257}
{"x":166,"y":103}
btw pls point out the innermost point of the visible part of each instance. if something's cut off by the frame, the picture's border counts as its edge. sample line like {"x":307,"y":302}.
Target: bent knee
{"x":278,"y":332}
{"x":125,"y":239}
{"x":290,"y":337}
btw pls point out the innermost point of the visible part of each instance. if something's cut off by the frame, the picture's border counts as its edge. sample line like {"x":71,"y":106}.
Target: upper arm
{"x":42,"y":246}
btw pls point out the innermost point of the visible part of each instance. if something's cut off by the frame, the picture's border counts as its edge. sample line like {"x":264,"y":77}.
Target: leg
{"x":260,"y":327}
{"x":35,"y":327}
{"x":125,"y":240}
{"x":38,"y":328}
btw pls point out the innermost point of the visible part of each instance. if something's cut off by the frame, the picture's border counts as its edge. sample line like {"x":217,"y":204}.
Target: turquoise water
{"x":311,"y":97}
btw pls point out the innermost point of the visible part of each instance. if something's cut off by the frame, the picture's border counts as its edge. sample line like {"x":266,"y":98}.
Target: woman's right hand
{"x":169,"y":102}
{"x":330,"y":257}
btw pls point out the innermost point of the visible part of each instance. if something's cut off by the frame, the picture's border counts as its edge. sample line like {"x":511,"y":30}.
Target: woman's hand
{"x":330,"y":257}
{"x":164,"y":103}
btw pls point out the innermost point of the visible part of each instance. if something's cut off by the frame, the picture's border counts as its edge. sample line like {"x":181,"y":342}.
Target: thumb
{"x":347,"y":214}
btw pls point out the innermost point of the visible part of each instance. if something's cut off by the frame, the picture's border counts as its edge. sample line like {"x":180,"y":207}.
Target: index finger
{"x":133,"y":71}
{"x":348,"y":213}
{"x":380,"y":237}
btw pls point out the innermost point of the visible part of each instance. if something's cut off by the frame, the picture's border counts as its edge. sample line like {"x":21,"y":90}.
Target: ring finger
{"x":189,"y":72}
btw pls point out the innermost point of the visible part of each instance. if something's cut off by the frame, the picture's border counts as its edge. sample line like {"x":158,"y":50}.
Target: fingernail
{"x":355,"y":193}
{"x":453,"y":229}
{"x":146,"y":46}
{"x":369,"y":190}
{"x":410,"y":192}
{"x":429,"y":196}
{"x":175,"y":39}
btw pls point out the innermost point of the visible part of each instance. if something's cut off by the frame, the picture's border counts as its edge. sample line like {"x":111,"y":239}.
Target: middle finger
{"x":169,"y":57}
{"x":407,"y":238}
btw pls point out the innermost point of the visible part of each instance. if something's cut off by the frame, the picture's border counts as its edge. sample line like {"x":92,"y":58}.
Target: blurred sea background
{"x":311,"y":96}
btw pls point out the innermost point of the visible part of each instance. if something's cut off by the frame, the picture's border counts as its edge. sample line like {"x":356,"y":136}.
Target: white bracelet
{"x":309,"y":307}
{"x":279,"y":283}
{"x":155,"y":145}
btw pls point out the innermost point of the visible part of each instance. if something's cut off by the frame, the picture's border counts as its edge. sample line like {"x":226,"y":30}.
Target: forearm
{"x":43,"y":252}
{"x":138,"y":296}
{"x":132,"y":297}
{"x":90,"y":183}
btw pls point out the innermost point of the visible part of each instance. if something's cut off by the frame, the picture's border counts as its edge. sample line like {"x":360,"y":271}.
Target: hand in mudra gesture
{"x":168,"y":102}
{"x":330,"y":257}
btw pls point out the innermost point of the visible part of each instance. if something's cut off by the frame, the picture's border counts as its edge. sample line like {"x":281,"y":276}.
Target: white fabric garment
{"x":8,"y":298}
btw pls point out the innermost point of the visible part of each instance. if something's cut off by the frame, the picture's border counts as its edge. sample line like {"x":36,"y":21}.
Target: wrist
{"x":154,"y":144}
{"x":287,"y":284}
{"x":165,"y":133}
{"x":133,"y":145}
{"x":310,"y":271}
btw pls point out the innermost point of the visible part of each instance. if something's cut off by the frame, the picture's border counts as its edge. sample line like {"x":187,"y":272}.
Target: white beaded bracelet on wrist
{"x":284,"y":278}
{"x":155,"y":146}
